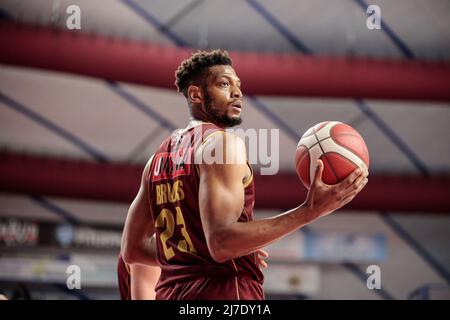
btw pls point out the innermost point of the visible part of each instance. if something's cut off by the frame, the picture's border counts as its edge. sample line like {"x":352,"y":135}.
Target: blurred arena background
{"x":82,"y":110}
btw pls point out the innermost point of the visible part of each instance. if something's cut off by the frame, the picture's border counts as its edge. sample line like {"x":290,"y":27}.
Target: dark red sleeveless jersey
{"x":123,"y":277}
{"x":173,"y":180}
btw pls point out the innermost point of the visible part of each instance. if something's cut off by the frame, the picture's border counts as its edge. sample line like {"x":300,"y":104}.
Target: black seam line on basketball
{"x":341,"y":134}
{"x":334,"y":151}
{"x":318,"y":141}
{"x":345,"y":134}
{"x":302,"y":145}
{"x":323,"y":153}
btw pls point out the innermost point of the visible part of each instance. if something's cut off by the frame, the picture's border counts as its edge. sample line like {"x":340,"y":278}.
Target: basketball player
{"x":138,"y":281}
{"x":201,"y":212}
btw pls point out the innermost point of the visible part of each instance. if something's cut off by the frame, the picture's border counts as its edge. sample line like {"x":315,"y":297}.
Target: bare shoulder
{"x":147,"y":166}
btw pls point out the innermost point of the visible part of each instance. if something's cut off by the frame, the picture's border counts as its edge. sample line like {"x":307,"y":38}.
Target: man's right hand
{"x":323,"y":198}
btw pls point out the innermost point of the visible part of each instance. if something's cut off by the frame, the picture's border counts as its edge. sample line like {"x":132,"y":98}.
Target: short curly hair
{"x":193,"y":68}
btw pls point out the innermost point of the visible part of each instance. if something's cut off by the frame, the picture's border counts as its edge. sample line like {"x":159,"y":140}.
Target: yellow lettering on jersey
{"x":179,"y":189}
{"x":158,"y":194}
{"x":185,"y":245}
{"x":171,"y":195}
{"x":168,"y":192}
{"x":165,"y":220}
{"x":163,"y":193}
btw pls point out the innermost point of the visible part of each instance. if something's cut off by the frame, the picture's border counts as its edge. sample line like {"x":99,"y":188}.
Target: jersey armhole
{"x":250,"y":179}
{"x":148,"y":167}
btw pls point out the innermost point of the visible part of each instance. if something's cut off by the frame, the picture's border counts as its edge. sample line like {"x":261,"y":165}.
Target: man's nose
{"x":236,"y":93}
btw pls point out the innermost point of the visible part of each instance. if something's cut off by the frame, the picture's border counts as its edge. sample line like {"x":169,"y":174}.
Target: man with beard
{"x":207,"y":243}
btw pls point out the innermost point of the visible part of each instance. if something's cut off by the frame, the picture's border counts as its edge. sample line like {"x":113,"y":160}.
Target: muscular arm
{"x":143,"y":281}
{"x":137,"y":246}
{"x":221,"y":198}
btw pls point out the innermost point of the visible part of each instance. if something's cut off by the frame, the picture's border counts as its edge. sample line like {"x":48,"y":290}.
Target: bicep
{"x":221,"y":191}
{"x":221,"y":195}
{"x":139,"y":220}
{"x":139,"y":223}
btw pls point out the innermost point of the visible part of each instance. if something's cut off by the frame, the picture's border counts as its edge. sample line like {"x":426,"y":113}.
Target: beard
{"x":223,"y":120}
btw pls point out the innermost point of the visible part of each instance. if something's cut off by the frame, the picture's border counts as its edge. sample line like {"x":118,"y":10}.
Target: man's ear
{"x":195,"y":94}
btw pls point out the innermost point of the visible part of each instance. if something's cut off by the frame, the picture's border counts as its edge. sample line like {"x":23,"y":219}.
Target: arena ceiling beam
{"x":261,"y":73}
{"x":88,"y":180}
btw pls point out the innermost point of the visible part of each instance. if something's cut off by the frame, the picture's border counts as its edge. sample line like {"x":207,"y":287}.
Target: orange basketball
{"x":338,"y":145}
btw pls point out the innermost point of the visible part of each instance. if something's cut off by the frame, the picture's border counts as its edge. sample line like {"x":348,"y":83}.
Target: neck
{"x":197,"y":114}
{"x":197,"y":118}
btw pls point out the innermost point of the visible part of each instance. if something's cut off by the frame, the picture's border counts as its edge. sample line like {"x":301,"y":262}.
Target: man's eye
{"x":224,"y":84}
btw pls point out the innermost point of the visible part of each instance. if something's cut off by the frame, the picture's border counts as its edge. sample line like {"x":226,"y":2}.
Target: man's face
{"x":223,"y":96}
